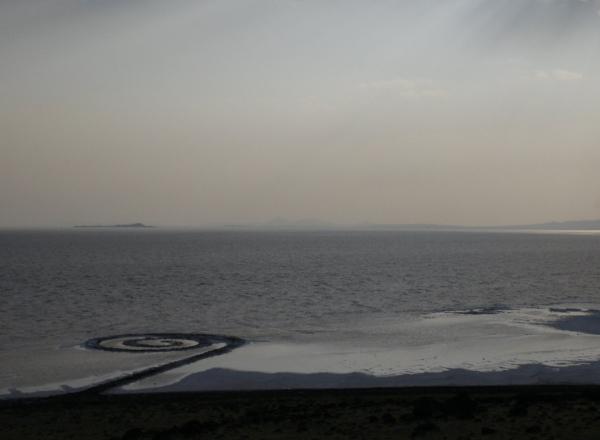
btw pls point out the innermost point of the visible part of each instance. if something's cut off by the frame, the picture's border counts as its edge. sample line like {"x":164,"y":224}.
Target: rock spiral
{"x":154,"y":342}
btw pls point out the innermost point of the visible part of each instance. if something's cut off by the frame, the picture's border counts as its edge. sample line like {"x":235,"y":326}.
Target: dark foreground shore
{"x":536,"y":412}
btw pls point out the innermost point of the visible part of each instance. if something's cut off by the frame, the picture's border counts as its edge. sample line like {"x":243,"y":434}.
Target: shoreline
{"x":493,"y":346}
{"x":512,"y":411}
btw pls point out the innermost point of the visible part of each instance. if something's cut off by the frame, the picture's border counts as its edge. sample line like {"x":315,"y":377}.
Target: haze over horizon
{"x":465,"y":112}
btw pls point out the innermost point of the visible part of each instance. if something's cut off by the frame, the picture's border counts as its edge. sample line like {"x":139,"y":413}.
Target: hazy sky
{"x":202,"y":112}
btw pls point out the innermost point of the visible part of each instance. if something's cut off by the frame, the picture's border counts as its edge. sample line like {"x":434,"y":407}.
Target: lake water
{"x":361,"y":292}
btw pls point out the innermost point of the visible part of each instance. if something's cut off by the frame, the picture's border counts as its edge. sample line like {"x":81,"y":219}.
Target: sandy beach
{"x":514,"y":412}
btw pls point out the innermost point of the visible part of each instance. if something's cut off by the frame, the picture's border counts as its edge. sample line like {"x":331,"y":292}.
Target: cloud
{"x":409,"y":88}
{"x":558,"y":75}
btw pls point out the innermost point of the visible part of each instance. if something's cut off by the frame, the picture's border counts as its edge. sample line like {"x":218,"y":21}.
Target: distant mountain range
{"x":581,"y":225}
{"x":128,"y":225}
{"x":312,"y":224}
{"x":315,"y":225}
{"x":568,"y":225}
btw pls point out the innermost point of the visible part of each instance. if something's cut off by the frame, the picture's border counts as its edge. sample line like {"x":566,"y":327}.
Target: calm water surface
{"x":62,"y":287}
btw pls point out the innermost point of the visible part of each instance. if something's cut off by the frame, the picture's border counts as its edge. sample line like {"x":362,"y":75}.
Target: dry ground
{"x":555,"y":412}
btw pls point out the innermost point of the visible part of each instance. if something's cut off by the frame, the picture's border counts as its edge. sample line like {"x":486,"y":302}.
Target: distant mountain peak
{"x":125,"y":225}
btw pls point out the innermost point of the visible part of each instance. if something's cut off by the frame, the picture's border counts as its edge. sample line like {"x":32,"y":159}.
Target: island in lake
{"x":128,"y":225}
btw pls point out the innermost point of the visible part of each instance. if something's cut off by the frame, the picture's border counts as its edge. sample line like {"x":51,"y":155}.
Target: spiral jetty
{"x":156,"y":343}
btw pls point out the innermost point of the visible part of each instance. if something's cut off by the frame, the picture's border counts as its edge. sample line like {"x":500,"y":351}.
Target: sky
{"x":210,"y":112}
